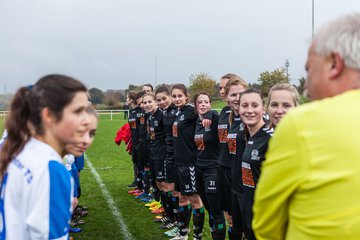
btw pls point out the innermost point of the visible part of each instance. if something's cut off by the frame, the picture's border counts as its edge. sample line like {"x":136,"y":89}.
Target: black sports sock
{"x":163,"y":198}
{"x":168,"y":206}
{"x":146,"y":181}
{"x":211,"y":221}
{"x":184,"y":218}
{"x":219,"y":227}
{"x":135,"y":172}
{"x":198,"y":221}
{"x":175,"y":207}
{"x":234,"y":234}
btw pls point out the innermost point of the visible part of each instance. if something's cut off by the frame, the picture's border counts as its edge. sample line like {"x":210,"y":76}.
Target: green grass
{"x":115,"y":168}
{"x":217,"y":105}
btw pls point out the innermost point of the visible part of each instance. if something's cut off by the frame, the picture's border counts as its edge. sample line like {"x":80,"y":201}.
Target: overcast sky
{"x":110,"y":44}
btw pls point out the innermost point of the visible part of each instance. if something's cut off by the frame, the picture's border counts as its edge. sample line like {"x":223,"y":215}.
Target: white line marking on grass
{"x":117,"y":214}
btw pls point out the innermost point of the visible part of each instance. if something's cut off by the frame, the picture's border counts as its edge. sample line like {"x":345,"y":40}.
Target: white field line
{"x":116,"y":213}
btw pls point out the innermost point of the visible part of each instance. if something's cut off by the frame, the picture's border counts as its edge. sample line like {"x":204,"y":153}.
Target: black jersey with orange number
{"x":254,"y":155}
{"x":157,"y":136}
{"x":223,"y":128}
{"x":143,"y":133}
{"x":236,"y":142}
{"x":168,"y":120}
{"x":183,"y":131}
{"x":207,"y":142}
{"x":134,"y":121}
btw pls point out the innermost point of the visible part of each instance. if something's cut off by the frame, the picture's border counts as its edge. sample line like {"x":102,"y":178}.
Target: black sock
{"x":175,"y":207}
{"x":163,"y":198}
{"x":168,"y":206}
{"x":139,"y":180}
{"x":135,"y":172}
{"x":157,"y":194}
{"x":219,"y":227}
{"x":234,"y":234}
{"x":184,"y":218}
{"x":198,"y":221}
{"x":211,"y":222}
{"x":146,"y":181}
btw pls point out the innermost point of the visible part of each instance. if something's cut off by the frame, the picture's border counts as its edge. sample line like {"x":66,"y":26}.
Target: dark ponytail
{"x":17,"y":128}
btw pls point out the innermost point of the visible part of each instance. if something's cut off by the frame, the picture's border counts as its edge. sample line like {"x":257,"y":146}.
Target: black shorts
{"x":159,"y":170}
{"x":206,"y":179}
{"x":169,"y":170}
{"x":185,"y":179}
{"x":224,"y":188}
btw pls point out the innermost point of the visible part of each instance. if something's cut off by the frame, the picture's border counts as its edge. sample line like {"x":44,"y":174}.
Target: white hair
{"x":341,"y":36}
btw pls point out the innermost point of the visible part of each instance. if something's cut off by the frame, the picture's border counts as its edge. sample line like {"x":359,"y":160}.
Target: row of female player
{"x":47,"y":120}
{"x":201,"y":159}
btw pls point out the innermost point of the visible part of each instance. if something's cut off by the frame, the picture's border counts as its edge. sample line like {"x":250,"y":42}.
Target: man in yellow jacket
{"x":310,"y":182}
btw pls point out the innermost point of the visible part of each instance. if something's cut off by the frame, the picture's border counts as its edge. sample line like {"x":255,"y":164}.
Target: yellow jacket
{"x":309,"y":187}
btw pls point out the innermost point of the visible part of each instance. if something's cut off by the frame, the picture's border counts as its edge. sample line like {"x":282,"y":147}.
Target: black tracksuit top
{"x":236,"y":142}
{"x":143,"y":131}
{"x":254,"y":155}
{"x":207,"y":142}
{"x":183,"y":133}
{"x":168,"y":120}
{"x":134,"y":121}
{"x":223,"y":128}
{"x":157,"y":136}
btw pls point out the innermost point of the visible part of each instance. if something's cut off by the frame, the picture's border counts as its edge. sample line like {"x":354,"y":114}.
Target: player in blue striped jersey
{"x":36,"y":188}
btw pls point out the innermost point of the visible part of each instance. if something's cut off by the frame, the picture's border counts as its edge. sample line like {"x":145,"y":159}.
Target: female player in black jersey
{"x":257,"y":135}
{"x":171,"y":199}
{"x":235,"y":143}
{"x":157,"y":139}
{"x":282,"y":97}
{"x":143,"y":154}
{"x":134,"y":121}
{"x":185,"y":157}
{"x":207,"y":143}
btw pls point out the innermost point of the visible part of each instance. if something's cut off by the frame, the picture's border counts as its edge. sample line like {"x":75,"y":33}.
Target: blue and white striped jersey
{"x":3,"y":137}
{"x":36,"y":195}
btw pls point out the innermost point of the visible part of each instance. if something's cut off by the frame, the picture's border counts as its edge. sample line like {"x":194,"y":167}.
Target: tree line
{"x":197,"y":82}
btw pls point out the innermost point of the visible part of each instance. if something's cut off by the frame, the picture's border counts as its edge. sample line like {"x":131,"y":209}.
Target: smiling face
{"x":233,"y":97}
{"x":163,"y":100}
{"x":149,"y":104}
{"x":252,"y":110}
{"x":178,"y":97}
{"x":202,"y":104}
{"x":279,"y":103}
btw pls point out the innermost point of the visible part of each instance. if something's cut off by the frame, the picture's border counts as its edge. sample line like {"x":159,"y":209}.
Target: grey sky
{"x":110,"y":44}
